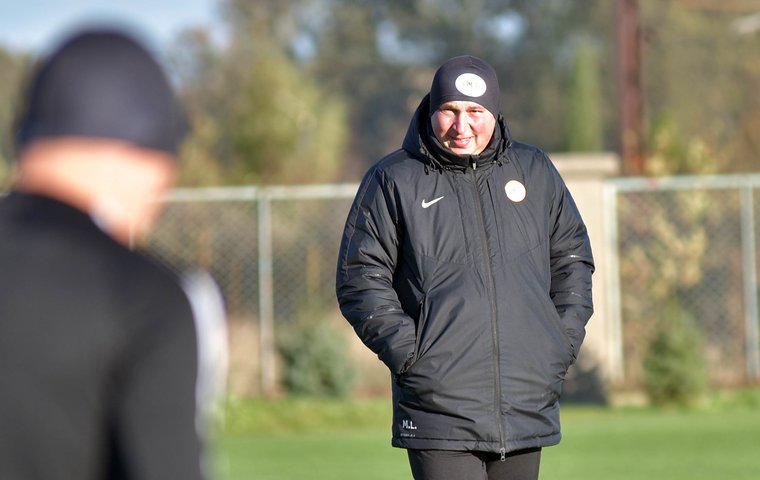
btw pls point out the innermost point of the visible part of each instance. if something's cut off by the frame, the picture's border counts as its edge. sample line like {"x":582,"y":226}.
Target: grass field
{"x":313,"y":439}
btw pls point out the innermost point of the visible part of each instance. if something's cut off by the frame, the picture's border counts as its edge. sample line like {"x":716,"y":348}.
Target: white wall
{"x":584,"y":174}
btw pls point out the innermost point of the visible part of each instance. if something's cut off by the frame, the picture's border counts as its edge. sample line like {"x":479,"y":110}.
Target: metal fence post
{"x":752,"y":350}
{"x":266,"y":294}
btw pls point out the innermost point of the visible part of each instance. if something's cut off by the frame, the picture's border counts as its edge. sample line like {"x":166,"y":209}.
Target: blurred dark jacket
{"x":98,"y":353}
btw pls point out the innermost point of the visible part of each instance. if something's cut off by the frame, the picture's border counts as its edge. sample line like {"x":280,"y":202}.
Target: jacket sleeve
{"x":364,"y":282}
{"x":572,"y":263}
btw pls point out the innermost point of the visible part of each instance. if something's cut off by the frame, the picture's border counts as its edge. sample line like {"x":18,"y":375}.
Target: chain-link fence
{"x":273,"y":252}
{"x":686,"y":244}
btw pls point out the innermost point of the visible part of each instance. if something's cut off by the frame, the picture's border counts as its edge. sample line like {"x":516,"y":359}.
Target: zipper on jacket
{"x":492,"y":300}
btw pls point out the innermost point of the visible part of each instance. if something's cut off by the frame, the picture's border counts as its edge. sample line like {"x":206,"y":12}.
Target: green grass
{"x":300,"y":438}
{"x":347,"y":456}
{"x":321,"y":439}
{"x":650,"y":444}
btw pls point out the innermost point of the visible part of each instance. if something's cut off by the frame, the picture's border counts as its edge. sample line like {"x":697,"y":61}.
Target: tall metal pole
{"x":629,"y":86}
{"x":266,"y":295}
{"x":749,"y":262}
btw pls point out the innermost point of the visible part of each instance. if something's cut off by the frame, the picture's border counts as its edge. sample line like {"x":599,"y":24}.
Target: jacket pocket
{"x":418,"y":331}
{"x":567,"y":342}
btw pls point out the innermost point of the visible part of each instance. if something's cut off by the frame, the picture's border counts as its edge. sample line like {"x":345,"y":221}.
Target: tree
{"x":583,"y":115}
{"x":703,"y":72}
{"x":349,"y":59}
{"x":283,"y":127}
{"x":675,"y":371}
{"x":258,"y":111}
{"x":198,"y":67}
{"x":12,"y":68}
{"x":394,"y":47}
{"x":323,"y":88}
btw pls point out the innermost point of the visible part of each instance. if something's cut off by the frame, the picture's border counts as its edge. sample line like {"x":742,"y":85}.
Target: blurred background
{"x":326,"y":86}
{"x":649,"y":108}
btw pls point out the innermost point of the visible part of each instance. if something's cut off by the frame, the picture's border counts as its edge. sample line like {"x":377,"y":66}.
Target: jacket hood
{"x":421,"y":143}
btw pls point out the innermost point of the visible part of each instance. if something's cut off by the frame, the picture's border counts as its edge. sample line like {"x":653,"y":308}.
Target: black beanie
{"x":101,"y":84}
{"x":466,"y":78}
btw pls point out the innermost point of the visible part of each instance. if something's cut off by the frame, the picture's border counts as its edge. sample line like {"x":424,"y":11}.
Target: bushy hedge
{"x":316,"y":360}
{"x":675,"y":371}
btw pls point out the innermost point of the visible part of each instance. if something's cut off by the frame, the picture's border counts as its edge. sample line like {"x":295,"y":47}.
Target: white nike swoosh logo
{"x":427,"y":204}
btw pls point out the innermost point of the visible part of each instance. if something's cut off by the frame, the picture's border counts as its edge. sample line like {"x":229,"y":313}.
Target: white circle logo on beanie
{"x":470,"y":84}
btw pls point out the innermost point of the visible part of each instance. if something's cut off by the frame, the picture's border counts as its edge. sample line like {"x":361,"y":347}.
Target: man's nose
{"x":460,"y":123}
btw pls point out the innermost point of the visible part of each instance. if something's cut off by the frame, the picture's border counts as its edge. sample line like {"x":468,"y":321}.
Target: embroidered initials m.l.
{"x":408,"y":425}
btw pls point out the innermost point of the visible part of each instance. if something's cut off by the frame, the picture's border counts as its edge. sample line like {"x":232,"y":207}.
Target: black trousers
{"x":450,"y":465}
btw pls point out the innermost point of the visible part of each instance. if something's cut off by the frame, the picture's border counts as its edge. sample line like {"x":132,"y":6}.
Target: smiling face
{"x":463,"y":127}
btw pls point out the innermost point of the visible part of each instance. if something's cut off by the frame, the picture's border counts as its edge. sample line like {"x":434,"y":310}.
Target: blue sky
{"x":32,"y":25}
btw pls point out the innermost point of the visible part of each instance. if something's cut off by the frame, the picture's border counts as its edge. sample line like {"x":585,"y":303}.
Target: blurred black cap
{"x":101,"y":84}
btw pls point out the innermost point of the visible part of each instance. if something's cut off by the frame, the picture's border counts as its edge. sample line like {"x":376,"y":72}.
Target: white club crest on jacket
{"x":515,"y":191}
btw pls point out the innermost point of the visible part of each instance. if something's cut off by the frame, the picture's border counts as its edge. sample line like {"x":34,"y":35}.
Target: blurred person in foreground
{"x":466,"y":267}
{"x":104,"y":357}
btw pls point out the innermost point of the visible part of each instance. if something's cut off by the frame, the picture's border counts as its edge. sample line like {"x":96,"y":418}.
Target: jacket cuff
{"x":398,"y":359}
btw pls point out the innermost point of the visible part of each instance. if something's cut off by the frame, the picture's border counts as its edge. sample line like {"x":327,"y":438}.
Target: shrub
{"x":675,"y":372}
{"x":315,"y":360}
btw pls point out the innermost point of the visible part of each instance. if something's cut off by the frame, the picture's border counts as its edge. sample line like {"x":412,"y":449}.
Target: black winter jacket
{"x":98,"y":353}
{"x":470,"y":278}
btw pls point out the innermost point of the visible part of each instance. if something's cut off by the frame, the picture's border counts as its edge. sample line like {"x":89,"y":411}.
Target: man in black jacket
{"x":99,"y":347}
{"x":466,"y":267}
